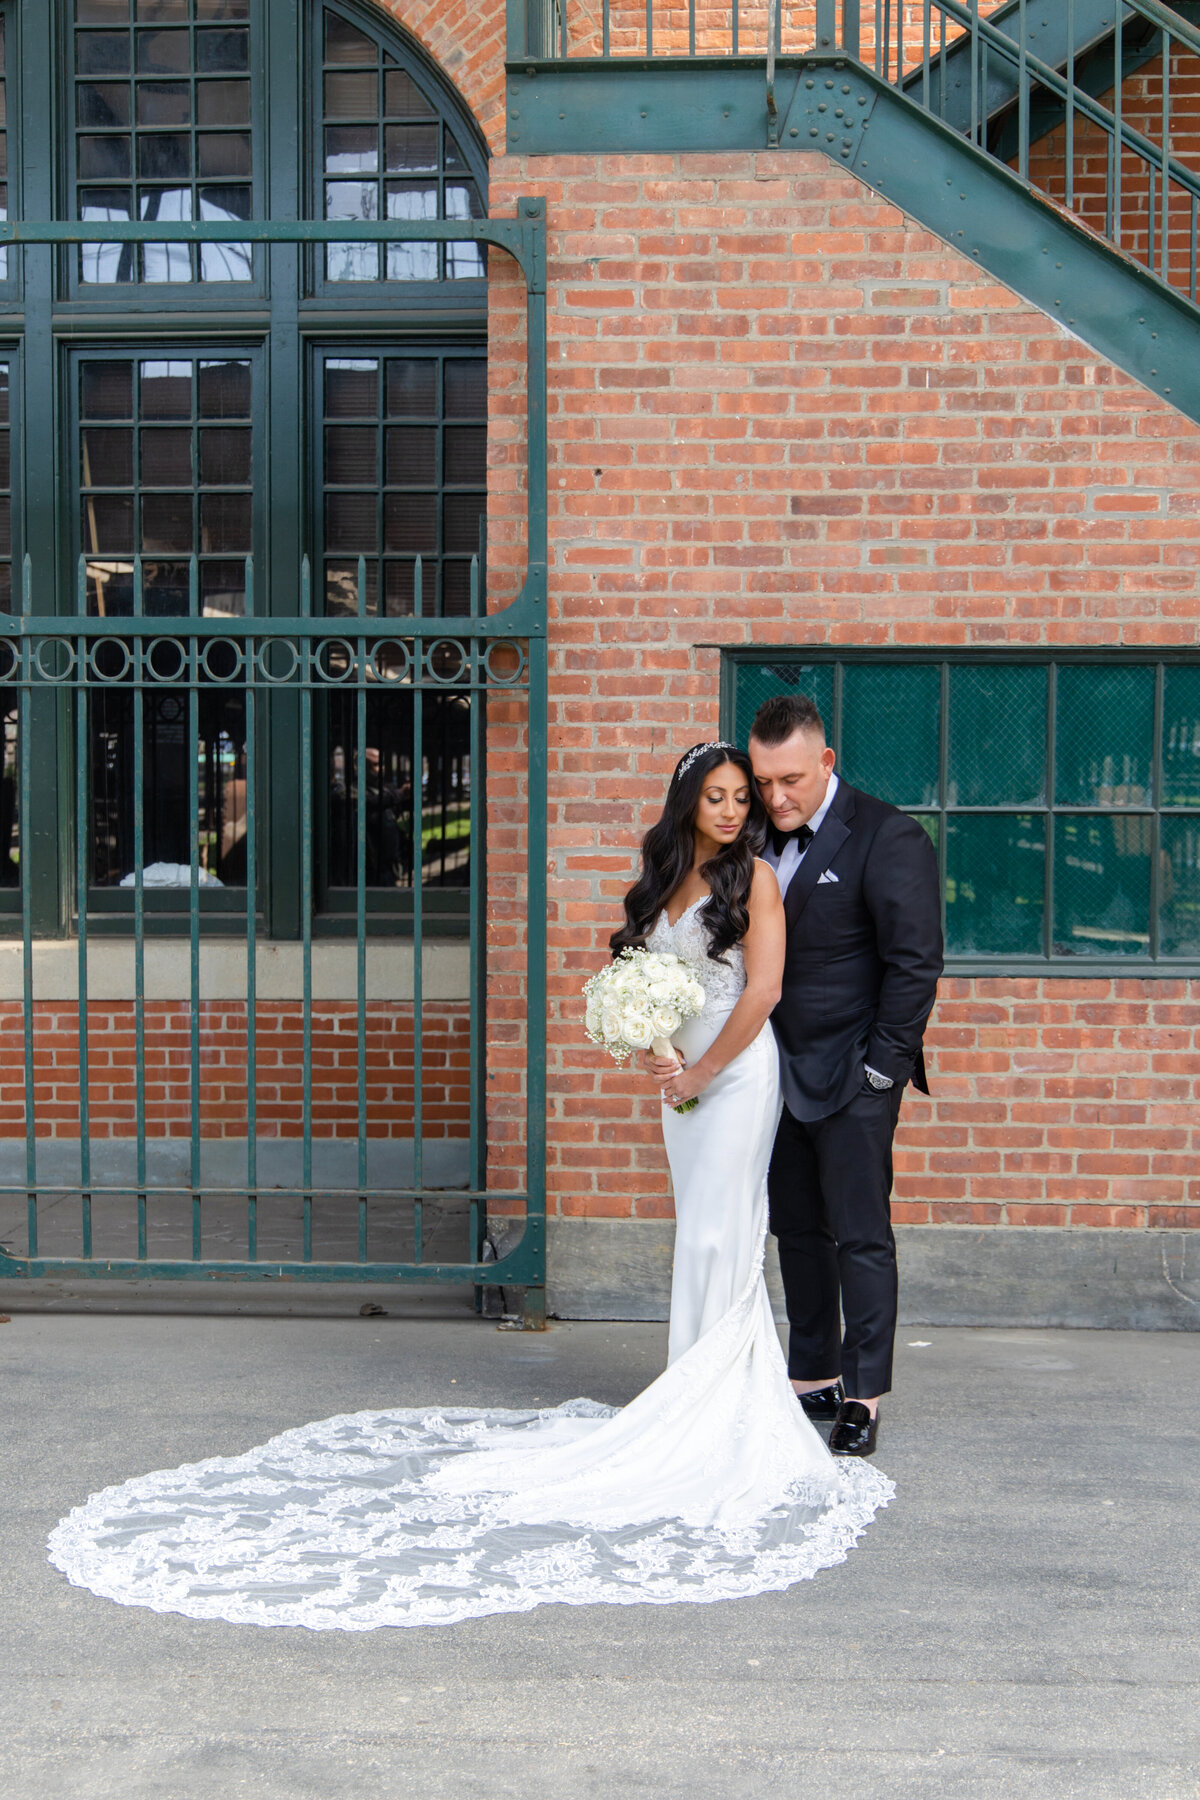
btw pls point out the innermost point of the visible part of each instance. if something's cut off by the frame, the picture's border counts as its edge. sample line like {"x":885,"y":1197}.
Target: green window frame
{"x":280,"y":318}
{"x":383,"y":147}
{"x":1061,"y":790}
{"x":162,"y":119}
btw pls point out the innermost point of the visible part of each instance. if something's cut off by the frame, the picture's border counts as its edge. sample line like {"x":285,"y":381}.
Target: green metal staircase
{"x":937,"y":109}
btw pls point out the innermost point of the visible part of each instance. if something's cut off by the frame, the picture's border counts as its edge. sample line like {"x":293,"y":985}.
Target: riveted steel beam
{"x":924,"y":166}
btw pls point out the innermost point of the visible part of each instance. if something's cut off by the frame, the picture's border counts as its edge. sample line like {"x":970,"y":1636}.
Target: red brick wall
{"x":223,"y":1070}
{"x":467,"y":41}
{"x":780,"y":413}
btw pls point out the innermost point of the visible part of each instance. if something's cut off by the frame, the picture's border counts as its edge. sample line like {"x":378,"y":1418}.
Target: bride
{"x":711,"y":1484}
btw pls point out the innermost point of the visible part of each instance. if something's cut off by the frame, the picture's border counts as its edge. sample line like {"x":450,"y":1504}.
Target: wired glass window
{"x":162,"y":117}
{"x":1063,"y":796}
{"x":387,"y":154}
{"x":404,"y":442}
{"x":165,"y":467}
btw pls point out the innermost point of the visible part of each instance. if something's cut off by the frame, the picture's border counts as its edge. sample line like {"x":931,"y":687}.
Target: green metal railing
{"x":1003,"y":76}
{"x":381,"y":1221}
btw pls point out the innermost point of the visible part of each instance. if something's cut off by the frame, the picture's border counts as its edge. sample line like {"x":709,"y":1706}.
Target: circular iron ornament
{"x":163,"y":648}
{"x":276,"y":661}
{"x":168,"y":709}
{"x":63,"y":665}
{"x":447,"y":661}
{"x":10,"y":659}
{"x":504,"y":663}
{"x":222,"y":659}
{"x":392,"y":660}
{"x":109,"y":660}
{"x":334,"y":661}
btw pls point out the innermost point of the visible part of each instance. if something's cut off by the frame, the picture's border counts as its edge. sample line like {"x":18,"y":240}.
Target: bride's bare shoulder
{"x":764,"y":884}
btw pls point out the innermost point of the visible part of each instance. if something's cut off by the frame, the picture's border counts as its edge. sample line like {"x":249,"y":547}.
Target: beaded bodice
{"x":688,"y":938}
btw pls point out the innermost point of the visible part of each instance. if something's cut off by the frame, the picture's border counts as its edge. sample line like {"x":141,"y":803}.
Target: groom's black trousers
{"x":830,"y":1195}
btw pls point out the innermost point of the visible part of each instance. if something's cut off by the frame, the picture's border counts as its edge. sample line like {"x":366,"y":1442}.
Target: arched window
{"x":211,"y":415}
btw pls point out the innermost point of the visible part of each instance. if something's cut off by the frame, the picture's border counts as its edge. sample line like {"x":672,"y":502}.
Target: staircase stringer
{"x":980,"y":208}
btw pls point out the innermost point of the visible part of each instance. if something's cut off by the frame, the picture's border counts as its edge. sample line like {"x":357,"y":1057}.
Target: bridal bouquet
{"x":638,"y":1001}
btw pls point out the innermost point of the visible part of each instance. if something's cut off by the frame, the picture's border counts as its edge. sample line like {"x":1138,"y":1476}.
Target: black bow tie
{"x":803,"y":835}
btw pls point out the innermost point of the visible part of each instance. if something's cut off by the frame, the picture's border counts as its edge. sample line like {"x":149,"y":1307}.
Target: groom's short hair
{"x":778,"y":717}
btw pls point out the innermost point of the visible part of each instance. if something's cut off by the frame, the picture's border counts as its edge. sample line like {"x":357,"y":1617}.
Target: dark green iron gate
{"x":365,"y":1209}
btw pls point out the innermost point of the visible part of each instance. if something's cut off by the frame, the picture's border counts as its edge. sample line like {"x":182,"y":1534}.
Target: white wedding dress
{"x":711,"y":1484}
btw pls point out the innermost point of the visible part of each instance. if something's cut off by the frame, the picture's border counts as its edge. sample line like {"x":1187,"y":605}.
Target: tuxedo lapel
{"x":833,"y":832}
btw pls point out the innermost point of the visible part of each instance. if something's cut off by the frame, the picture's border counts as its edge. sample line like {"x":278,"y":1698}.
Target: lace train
{"x":710,"y":1485}
{"x":336,"y":1526}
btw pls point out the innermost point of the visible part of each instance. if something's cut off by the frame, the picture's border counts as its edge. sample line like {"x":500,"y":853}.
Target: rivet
{"x":862,"y":99}
{"x":838,"y":113}
{"x":812,"y":131}
{"x":829,"y":84}
{"x":846,"y":87}
{"x":1058,"y":303}
{"x":643,"y":115}
{"x":822,"y":107}
{"x":1154,"y":334}
{"x":829,"y":137}
{"x":1154,"y":371}
{"x":562,"y":115}
{"x":809,"y":84}
{"x":793,"y":132}
{"x":1166,"y":390}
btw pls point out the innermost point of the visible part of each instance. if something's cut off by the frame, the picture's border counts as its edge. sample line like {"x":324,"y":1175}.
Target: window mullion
{"x":50,"y":822}
{"x":1157,"y":797}
{"x":277,"y":586}
{"x":1051,"y":796}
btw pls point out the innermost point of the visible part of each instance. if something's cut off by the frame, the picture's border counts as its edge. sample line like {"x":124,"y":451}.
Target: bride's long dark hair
{"x":669,"y":848}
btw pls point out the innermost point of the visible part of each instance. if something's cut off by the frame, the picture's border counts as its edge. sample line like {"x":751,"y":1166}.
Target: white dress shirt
{"x":786,"y":864}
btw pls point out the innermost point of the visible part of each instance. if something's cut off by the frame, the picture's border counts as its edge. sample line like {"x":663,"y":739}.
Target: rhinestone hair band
{"x":697,"y":752}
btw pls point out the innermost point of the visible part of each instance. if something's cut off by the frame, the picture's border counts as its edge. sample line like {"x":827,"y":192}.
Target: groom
{"x":864,"y":952}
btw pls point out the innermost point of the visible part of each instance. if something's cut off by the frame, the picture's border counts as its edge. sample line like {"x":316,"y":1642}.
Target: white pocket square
{"x":826,"y":875}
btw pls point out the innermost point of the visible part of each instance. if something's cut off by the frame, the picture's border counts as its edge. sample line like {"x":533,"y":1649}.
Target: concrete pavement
{"x":1022,"y":1622}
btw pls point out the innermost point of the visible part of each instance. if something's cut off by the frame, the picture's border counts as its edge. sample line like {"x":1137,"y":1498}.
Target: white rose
{"x":610,"y":1024}
{"x":664,"y":1021}
{"x":696,"y":994}
{"x":636,"y":1029}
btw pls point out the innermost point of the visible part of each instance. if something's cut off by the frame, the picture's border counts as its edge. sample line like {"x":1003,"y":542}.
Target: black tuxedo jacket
{"x":864,"y":952}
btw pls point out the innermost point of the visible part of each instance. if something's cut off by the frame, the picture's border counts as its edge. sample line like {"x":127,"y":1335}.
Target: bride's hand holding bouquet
{"x":637,"y":1002}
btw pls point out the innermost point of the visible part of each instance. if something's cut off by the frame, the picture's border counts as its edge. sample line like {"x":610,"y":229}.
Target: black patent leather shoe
{"x":823,"y":1403}
{"x":854,"y":1430}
